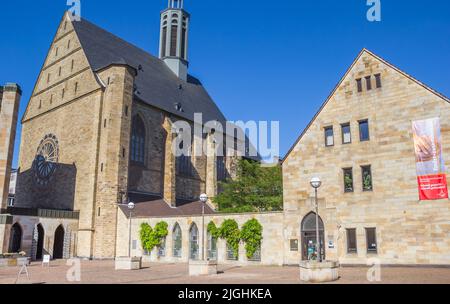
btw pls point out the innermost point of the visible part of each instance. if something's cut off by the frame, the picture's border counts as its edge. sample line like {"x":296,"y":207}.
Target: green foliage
{"x":151,"y":238}
{"x":213,"y":230}
{"x":251,"y":234}
{"x":229,"y":231}
{"x":256,"y":189}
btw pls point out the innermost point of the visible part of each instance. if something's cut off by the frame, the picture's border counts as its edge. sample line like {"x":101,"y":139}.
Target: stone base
{"x":126,"y":263}
{"x":198,"y":268}
{"x":316,"y":272}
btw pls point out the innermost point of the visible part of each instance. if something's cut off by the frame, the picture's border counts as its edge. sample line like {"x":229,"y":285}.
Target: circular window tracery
{"x":46,"y":160}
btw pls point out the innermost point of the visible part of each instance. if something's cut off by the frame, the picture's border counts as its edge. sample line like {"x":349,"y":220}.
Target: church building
{"x":98,"y":133}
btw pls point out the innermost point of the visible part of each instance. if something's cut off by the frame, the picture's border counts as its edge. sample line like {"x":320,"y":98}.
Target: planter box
{"x":316,"y":272}
{"x":126,"y":263}
{"x":198,"y":268}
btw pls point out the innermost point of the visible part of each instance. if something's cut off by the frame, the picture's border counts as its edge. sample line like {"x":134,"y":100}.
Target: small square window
{"x":294,"y":245}
{"x":369,"y":83}
{"x":364,"y":134}
{"x":378,"y":80}
{"x":371,"y":239}
{"x":351,"y":241}
{"x":359,"y":85}
{"x":348,"y":180}
{"x":329,"y":136}
{"x":346,"y":133}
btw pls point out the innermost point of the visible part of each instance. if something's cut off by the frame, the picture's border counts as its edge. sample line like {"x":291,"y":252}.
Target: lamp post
{"x":203,"y":199}
{"x":131,"y":207}
{"x":316,"y":183}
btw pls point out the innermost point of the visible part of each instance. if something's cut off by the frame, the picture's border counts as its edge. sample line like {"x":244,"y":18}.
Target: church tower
{"x":174,"y":38}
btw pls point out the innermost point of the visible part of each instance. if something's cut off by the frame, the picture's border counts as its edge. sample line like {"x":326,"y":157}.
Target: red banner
{"x":430,"y":166}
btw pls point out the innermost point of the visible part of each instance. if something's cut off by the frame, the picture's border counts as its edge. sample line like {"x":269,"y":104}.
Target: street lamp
{"x":131,"y":207}
{"x":316,"y":183}
{"x":203,"y":199}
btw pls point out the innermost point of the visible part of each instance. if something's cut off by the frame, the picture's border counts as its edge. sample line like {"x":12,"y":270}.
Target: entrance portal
{"x":15,"y":240}
{"x":40,"y":242}
{"x":58,"y":245}
{"x":309,"y":241}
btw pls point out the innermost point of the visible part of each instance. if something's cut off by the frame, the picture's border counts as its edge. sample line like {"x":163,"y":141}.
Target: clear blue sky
{"x":259,"y":60}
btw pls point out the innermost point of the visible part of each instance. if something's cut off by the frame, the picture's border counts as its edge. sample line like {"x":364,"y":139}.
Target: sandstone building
{"x":98,"y":132}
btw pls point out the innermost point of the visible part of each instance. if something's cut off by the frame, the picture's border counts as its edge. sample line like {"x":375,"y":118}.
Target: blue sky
{"x":259,"y":60}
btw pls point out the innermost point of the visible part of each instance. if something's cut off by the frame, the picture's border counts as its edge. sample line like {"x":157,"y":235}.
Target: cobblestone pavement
{"x":93,"y":272}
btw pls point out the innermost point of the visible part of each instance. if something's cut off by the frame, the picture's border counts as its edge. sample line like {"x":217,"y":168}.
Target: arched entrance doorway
{"x":58,"y":244}
{"x":40,"y":242}
{"x":15,"y":240}
{"x":308,"y":232}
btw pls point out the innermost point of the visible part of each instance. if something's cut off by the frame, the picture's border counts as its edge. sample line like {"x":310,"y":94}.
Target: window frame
{"x":369,"y":86}
{"x":359,"y":85}
{"x":360,"y":123}
{"x":344,"y":170}
{"x":378,"y":83}
{"x":325,"y":129}
{"x":355,"y":249}
{"x":368,"y":247}
{"x":363,"y":168}
{"x":345,"y":125}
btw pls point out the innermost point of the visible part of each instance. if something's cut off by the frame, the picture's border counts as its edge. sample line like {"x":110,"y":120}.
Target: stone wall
{"x":9,"y":108}
{"x":408,"y":231}
{"x":271,"y":247}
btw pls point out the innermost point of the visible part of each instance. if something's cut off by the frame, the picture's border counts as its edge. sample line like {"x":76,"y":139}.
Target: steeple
{"x":174,"y":38}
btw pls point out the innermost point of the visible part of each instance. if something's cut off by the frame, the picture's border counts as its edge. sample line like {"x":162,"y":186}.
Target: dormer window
{"x":178,"y":107}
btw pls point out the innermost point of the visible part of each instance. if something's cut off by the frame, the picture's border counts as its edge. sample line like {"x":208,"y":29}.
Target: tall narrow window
{"x":48,"y":77}
{"x":193,"y":242}
{"x":164,"y":42}
{"x":56,"y":52}
{"x":63,"y":93}
{"x":59,"y":71}
{"x":371,"y":239}
{"x":68,"y":44}
{"x":367,"y":178}
{"x":176,"y":241}
{"x":76,"y":87}
{"x":346,"y":133}
{"x":173,"y":40}
{"x":378,"y":80}
{"x":329,"y":136}
{"x":364,"y":130}
{"x":359,"y":85}
{"x":183,"y":43}
{"x":138,"y":141}
{"x":348,"y":180}
{"x":73,"y":63}
{"x":221,"y":169}
{"x":351,"y":241}
{"x":369,"y":83}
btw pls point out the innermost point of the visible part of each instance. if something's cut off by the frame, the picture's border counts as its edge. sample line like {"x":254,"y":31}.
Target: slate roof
{"x":159,"y":208}
{"x":155,"y":83}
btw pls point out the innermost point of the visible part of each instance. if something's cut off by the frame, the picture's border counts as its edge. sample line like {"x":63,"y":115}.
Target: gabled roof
{"x":364,"y":51}
{"x":159,"y":208}
{"x":155,"y":83}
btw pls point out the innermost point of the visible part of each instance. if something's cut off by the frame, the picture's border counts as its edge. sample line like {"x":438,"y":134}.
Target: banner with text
{"x":429,"y":161}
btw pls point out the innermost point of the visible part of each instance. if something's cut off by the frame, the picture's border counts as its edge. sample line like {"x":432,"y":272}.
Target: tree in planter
{"x":151,"y":238}
{"x":229,"y":231}
{"x":255,"y":189}
{"x":251,"y":234}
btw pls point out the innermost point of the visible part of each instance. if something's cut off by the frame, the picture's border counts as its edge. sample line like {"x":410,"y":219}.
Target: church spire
{"x":174,"y":38}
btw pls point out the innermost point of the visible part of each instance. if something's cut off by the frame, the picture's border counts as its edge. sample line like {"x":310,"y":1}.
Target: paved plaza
{"x":95,"y":272}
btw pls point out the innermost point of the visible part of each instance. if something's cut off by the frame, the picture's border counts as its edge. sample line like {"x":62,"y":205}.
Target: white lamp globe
{"x":316,"y":182}
{"x":203,"y":198}
{"x":131,"y":205}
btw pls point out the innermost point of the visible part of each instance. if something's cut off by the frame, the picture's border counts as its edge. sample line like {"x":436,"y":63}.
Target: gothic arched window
{"x":177,"y":241}
{"x":138,"y":141}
